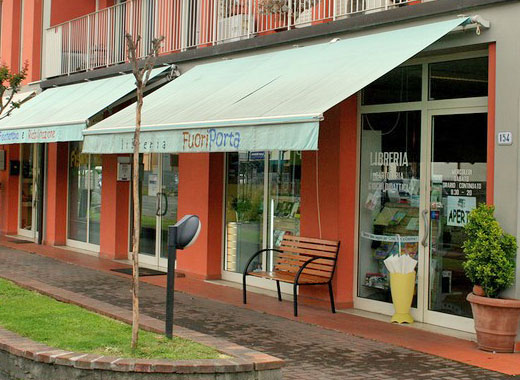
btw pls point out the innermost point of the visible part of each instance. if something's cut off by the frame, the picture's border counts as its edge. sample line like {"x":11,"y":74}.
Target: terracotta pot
{"x":496,"y":322}
{"x":478,"y":291}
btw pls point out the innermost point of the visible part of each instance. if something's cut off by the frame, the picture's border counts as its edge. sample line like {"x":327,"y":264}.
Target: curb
{"x":241,"y":359}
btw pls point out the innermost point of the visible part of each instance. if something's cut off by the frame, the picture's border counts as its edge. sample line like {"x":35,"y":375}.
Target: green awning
{"x":61,"y":113}
{"x":270,"y":101}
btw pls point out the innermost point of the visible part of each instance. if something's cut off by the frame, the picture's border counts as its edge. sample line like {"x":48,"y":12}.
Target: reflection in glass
{"x":168,"y":197}
{"x":284,"y":188}
{"x":85,"y":177}
{"x":27,"y":187}
{"x":95,"y":181}
{"x":78,"y":193}
{"x":458,"y":185}
{"x":148,"y":191}
{"x":389,"y":197}
{"x":244,"y":209}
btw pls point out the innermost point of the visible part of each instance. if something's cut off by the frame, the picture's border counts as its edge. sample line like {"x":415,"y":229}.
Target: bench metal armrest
{"x":304,"y":266}
{"x":255,"y":255}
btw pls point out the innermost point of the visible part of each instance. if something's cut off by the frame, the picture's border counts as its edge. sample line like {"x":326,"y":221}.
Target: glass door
{"x":457,"y":184}
{"x":28,"y":190}
{"x":84,"y":198}
{"x":262,"y":204}
{"x":158,"y":192}
{"x":245,"y":193}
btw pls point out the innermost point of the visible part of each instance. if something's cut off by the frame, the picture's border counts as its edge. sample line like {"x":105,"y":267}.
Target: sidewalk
{"x":317,"y":345}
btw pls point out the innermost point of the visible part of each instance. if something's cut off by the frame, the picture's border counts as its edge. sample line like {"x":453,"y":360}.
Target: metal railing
{"x":98,"y":39}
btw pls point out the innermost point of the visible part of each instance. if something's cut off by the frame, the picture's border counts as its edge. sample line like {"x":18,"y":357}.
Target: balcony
{"x":97,"y":40}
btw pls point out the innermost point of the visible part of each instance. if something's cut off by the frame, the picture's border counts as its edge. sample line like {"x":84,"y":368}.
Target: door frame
{"x":428,"y":108}
{"x":156,"y":261}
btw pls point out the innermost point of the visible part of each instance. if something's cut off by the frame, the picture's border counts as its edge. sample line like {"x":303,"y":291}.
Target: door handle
{"x":426,"y":220}
{"x":158,"y":204}
{"x":165,"y":204}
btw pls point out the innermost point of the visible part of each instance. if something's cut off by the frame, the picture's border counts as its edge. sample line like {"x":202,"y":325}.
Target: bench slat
{"x":293,"y":269}
{"x":314,"y":247}
{"x":289,"y":277}
{"x":301,"y":259}
{"x":310,"y":240}
{"x":308,"y":252}
{"x":298,"y":264}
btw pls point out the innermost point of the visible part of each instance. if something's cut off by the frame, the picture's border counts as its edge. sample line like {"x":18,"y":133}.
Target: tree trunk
{"x":137,"y":223}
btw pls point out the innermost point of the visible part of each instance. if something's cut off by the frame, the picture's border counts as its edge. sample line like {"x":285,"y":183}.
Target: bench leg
{"x":331,"y":293}
{"x":279,"y":291}
{"x":295,"y":294}
{"x":244,"y":289}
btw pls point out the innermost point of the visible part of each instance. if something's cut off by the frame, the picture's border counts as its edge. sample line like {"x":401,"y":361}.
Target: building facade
{"x":426,"y":130}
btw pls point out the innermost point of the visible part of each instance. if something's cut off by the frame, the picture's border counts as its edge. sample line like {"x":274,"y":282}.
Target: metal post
{"x":70,"y":49}
{"x":170,"y":280}
{"x":216,"y":8}
{"x":109,"y":25}
{"x":249,"y":18}
{"x":88,"y":42}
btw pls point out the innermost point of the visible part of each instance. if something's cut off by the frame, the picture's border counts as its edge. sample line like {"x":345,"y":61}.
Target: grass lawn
{"x":73,"y":328}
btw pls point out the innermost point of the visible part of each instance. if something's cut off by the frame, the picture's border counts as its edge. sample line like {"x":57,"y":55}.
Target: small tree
{"x":141,"y":70}
{"x":10,"y":84}
{"x":490,"y":252}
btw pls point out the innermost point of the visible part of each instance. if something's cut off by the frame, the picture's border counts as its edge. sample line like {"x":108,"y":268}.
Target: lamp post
{"x":180,"y":236}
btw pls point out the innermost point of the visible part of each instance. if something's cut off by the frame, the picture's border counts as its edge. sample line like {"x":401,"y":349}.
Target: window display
{"x":389,"y":196}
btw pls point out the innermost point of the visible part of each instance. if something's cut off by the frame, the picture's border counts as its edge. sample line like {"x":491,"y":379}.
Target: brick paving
{"x":310,"y":352}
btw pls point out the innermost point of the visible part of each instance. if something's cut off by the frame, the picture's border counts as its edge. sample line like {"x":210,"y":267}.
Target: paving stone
{"x":310,"y":352}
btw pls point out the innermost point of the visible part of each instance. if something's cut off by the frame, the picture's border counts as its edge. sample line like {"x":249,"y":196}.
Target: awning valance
{"x":61,"y":113}
{"x":268,"y":101}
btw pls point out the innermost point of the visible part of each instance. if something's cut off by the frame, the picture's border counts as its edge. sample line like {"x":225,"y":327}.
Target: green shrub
{"x":490,"y":252}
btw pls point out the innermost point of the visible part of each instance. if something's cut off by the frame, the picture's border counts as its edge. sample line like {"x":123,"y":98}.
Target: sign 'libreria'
{"x":211,"y":139}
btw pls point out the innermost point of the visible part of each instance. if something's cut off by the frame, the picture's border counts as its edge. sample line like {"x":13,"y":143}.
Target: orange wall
{"x":336,"y":169}
{"x":115,"y":212}
{"x":10,"y":33}
{"x":9,"y":193}
{"x":201,"y":193}
{"x":65,"y":10}
{"x":56,"y":193}
{"x":31,"y":36}
{"x":32,"y":26}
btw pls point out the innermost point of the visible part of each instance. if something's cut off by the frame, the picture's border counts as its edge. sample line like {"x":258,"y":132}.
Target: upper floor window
{"x":403,"y":84}
{"x":464,"y":78}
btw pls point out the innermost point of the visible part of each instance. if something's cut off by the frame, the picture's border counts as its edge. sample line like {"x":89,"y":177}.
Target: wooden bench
{"x":299,"y":261}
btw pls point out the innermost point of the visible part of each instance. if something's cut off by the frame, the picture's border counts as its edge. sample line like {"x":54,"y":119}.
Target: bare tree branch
{"x":141,"y":76}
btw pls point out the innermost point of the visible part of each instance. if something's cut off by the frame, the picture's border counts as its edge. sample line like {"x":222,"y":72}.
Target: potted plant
{"x":490,"y":265}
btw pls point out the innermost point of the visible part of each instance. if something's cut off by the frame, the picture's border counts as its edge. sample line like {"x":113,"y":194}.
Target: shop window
{"x":262,"y":204}
{"x":402,"y":84}
{"x":465,"y":78}
{"x":389,"y":196}
{"x":85,"y":179}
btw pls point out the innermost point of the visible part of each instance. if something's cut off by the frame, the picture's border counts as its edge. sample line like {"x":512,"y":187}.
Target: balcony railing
{"x":98,"y":39}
